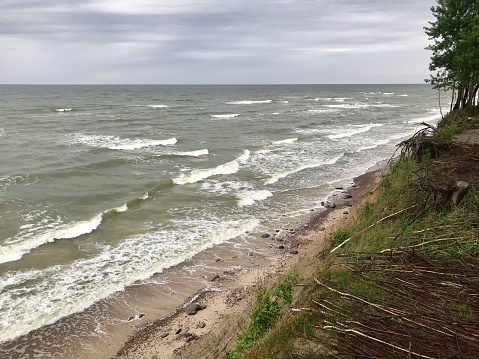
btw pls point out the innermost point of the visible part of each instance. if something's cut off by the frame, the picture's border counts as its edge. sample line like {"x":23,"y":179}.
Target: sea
{"x":104,"y":188}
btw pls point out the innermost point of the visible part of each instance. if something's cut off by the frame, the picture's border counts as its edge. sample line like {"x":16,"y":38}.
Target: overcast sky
{"x":213,"y":41}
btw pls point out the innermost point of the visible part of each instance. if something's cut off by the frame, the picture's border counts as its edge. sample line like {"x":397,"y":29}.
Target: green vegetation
{"x":455,"y":50}
{"x":265,"y":313}
{"x":403,"y":281}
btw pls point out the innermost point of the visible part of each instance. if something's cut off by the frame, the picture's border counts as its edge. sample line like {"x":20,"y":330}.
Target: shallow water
{"x":104,"y":186}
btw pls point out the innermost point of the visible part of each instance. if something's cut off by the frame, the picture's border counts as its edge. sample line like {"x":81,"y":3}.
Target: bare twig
{"x":357,"y":332}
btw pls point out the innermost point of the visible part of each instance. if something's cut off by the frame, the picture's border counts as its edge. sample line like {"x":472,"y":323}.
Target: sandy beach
{"x":226,"y":302}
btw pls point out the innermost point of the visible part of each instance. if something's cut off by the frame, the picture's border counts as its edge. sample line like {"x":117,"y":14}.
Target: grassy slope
{"x":406,"y":284}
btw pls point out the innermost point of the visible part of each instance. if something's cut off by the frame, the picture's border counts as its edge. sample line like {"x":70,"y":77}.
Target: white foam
{"x":231,"y":115}
{"x":249,"y":198}
{"x":277,"y":176}
{"x":158,"y":106}
{"x":324,"y":110}
{"x":63,"y":109}
{"x":140,"y":143}
{"x":199,"y":175}
{"x":145,"y":196}
{"x":244,"y":157}
{"x":431,"y":118}
{"x":349,"y":106}
{"x":123,"y":208}
{"x":376,"y":144}
{"x":196,"y":153}
{"x":248,"y":102}
{"x":17,"y":249}
{"x":388,"y":93}
{"x":356,"y":130}
{"x":284,"y":142}
{"x":36,"y":298}
{"x":403,"y":95}
{"x":118,"y":143}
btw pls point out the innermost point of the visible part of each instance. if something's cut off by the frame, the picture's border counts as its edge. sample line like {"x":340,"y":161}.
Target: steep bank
{"x":404,"y":281}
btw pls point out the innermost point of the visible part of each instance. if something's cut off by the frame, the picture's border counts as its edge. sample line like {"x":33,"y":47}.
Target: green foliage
{"x":455,"y":49}
{"x":265,"y":313}
{"x":341,"y":235}
{"x":449,"y":131}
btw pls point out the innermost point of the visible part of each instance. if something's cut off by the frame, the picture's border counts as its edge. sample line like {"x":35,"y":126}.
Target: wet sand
{"x":228,"y":290}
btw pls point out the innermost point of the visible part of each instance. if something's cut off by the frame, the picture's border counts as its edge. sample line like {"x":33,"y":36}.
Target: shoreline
{"x":142,"y":320}
{"x":215,"y":327}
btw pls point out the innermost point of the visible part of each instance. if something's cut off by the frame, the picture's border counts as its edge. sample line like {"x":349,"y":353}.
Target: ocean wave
{"x":249,"y":198}
{"x":17,"y":248}
{"x":39,"y":297}
{"x":284,"y":142}
{"x":15,"y":251}
{"x":158,"y":106}
{"x":249,"y":102}
{"x":63,"y":110}
{"x":118,"y":143}
{"x":277,"y":176}
{"x":324,"y":110}
{"x":374,"y":145}
{"x":357,"y":130}
{"x":224,"y":169}
{"x":231,"y":115}
{"x":349,"y":106}
{"x":431,"y":118}
{"x":197,"y":153}
{"x":25,"y":179}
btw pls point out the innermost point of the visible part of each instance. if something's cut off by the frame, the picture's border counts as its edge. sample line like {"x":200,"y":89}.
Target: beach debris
{"x":293,"y":251}
{"x":201,"y":325}
{"x":251,"y":254}
{"x":218,"y":260}
{"x":347,"y":196}
{"x":265,"y":235}
{"x":178,"y":331}
{"x":164,"y":335}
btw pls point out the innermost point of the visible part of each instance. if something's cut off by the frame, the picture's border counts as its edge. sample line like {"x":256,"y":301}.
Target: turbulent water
{"x":102,"y":186}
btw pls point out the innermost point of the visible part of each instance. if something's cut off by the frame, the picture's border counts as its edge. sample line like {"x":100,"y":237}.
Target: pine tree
{"x":455,"y":50}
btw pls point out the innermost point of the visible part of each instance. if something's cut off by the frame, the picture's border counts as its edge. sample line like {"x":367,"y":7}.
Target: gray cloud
{"x":146,"y":41}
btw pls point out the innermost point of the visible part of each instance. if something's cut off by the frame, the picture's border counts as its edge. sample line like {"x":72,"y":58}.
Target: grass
{"x":406,"y":278}
{"x":265,"y":313}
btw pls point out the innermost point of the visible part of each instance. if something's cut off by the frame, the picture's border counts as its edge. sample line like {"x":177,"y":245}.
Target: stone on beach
{"x":193,"y":308}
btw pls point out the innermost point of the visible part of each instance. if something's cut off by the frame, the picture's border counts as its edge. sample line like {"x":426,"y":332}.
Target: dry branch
{"x":354,"y":331}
